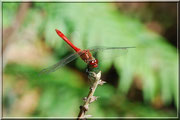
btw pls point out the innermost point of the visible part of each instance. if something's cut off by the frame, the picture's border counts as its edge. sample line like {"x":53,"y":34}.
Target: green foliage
{"x":61,"y":96}
{"x":60,"y":90}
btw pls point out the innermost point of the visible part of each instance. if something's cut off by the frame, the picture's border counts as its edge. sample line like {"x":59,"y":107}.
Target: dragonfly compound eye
{"x":93,"y":63}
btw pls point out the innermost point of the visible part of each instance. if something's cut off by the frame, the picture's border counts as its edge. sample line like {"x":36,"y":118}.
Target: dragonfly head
{"x":93,"y":63}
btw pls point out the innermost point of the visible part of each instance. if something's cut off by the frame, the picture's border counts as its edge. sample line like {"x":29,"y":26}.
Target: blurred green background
{"x":141,"y":83}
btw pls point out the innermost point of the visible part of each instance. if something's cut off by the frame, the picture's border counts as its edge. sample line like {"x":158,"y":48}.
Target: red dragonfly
{"x":85,"y":55}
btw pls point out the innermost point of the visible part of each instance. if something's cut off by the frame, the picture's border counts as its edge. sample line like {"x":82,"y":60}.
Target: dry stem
{"x":95,"y":79}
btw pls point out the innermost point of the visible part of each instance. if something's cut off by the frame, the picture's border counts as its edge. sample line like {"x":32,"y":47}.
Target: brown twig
{"x":9,"y":33}
{"x":95,"y":79}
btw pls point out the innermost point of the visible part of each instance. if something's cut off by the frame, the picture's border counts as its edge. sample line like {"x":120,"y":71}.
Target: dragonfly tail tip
{"x":56,"y":30}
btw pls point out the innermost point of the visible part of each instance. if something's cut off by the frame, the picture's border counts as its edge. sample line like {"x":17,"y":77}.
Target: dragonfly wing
{"x":96,"y":49}
{"x":101,"y":48}
{"x":61,"y":63}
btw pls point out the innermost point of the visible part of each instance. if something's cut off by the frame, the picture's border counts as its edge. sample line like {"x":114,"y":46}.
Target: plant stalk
{"x":95,"y":79}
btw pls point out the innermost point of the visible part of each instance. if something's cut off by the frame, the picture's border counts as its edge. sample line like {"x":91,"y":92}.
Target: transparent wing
{"x":96,"y":49}
{"x":101,"y":48}
{"x":61,"y":63}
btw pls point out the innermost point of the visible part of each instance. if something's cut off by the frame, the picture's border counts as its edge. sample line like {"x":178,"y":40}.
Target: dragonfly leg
{"x":87,"y":70}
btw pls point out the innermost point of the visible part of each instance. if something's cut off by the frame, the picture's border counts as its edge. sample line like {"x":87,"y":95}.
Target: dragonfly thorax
{"x":86,"y":56}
